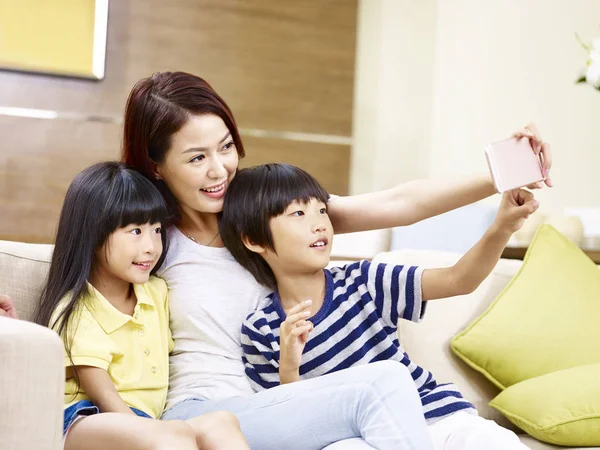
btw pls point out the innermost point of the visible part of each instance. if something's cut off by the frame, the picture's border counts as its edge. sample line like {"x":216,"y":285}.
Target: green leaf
{"x":583,"y":44}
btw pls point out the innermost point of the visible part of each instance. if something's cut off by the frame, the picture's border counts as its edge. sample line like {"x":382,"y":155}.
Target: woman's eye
{"x":136,"y":231}
{"x":229,"y":145}
{"x":298,"y":213}
{"x":158,"y":230}
{"x":197,"y":158}
{"x":323,"y":210}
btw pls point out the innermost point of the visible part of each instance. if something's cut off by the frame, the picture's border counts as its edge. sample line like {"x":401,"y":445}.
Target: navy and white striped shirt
{"x":357,"y":324}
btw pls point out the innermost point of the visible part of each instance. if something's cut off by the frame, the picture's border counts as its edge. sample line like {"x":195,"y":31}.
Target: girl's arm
{"x":98,"y":386}
{"x":417,"y":200}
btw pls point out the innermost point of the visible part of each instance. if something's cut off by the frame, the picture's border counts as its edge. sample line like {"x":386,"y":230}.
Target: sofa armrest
{"x":32,"y":380}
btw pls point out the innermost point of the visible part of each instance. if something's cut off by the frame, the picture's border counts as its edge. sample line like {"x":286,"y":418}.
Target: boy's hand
{"x":7,"y":307}
{"x":516,"y":206}
{"x":294,"y":332}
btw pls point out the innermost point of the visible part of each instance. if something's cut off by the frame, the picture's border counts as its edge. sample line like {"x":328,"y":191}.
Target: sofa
{"x":31,"y":372}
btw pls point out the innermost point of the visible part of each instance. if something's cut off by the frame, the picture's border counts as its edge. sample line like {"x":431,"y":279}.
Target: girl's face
{"x":129,"y":254}
{"x":200,"y":164}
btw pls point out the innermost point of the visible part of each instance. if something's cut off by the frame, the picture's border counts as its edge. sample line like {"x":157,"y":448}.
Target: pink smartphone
{"x":513,"y":164}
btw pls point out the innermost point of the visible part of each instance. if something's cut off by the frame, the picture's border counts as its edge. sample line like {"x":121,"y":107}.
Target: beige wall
{"x":392,"y":92}
{"x":493,"y":65}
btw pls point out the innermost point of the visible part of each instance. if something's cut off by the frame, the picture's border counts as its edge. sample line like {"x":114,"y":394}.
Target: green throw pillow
{"x":561,"y":408}
{"x":546,"y":319}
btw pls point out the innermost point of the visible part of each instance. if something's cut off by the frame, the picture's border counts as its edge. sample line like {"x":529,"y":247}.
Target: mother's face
{"x":200,"y":164}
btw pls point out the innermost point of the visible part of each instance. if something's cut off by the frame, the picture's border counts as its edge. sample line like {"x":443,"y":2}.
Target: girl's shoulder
{"x":156,"y":289}
{"x":82,"y":323}
{"x":79,"y":308}
{"x":158,"y":283}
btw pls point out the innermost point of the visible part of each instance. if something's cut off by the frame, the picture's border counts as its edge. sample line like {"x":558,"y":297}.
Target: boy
{"x":275,"y":224}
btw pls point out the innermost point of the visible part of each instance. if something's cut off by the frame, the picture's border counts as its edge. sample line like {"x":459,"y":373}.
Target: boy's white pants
{"x":460,"y":431}
{"x":464,"y":431}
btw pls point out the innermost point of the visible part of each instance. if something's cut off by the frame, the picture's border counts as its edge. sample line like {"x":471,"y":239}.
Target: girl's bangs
{"x":138,"y":202}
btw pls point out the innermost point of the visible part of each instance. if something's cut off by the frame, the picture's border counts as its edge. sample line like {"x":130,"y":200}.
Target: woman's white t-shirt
{"x":210,"y":295}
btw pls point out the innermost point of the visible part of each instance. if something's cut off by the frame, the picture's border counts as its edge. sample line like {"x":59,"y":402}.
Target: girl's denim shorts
{"x":86,"y":408}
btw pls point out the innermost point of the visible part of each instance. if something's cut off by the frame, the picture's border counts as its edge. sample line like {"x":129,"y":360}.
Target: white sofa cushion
{"x":361,"y":245}
{"x":428,"y":342}
{"x":32,"y":381}
{"x":23,"y":274}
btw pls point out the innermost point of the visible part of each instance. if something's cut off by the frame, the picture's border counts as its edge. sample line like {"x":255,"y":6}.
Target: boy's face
{"x":302,"y":238}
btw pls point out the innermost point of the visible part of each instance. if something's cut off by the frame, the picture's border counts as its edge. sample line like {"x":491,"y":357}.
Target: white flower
{"x":593,"y":73}
{"x":595,"y":53}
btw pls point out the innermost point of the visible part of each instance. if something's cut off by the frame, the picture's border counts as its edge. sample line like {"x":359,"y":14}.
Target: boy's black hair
{"x":101,"y":198}
{"x":253,"y":198}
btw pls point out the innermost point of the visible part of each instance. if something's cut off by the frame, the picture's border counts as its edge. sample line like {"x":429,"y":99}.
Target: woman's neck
{"x":119,"y":293}
{"x":202,"y":227}
{"x":296,"y":288}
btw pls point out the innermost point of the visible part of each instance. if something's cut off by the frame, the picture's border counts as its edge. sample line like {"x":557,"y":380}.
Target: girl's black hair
{"x":254,"y":196}
{"x":101,"y":199}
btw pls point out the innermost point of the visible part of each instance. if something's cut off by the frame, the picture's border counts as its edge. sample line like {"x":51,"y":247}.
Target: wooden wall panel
{"x":37,"y":166}
{"x":281,"y":66}
{"x":35,"y":176}
{"x":329,"y":164}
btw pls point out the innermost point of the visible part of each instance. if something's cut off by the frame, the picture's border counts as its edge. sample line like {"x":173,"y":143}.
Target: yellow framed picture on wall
{"x":57,"y":37}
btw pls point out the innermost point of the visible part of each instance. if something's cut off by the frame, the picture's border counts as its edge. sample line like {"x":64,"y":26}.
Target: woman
{"x":181,"y":134}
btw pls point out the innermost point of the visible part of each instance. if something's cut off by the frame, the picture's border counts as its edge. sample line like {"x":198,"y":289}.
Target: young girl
{"x":113,"y":316}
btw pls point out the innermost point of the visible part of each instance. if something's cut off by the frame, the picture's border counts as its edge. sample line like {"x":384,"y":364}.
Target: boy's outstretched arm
{"x":417,"y":200}
{"x":468,"y":273}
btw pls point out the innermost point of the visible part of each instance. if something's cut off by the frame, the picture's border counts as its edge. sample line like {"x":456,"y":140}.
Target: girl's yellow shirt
{"x":134,"y":350}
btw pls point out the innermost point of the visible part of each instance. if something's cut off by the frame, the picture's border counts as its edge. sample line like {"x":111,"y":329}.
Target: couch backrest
{"x":23,"y":273}
{"x":24,"y":269}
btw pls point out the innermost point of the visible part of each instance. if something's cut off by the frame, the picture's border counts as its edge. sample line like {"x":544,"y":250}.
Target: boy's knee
{"x":391,"y":377}
{"x":391,"y":370}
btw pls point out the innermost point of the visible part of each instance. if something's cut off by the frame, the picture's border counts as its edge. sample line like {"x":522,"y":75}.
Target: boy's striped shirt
{"x":357,"y":324}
